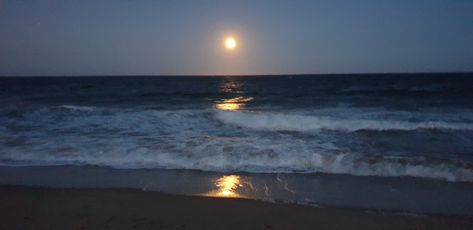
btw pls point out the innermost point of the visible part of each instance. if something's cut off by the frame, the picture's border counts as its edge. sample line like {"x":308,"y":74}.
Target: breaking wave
{"x":206,"y":139}
{"x":77,"y":108}
{"x":293,"y":122}
{"x":227,"y":158}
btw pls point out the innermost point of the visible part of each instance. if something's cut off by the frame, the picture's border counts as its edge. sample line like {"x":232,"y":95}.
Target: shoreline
{"x":411,"y":195}
{"x":108,"y":208}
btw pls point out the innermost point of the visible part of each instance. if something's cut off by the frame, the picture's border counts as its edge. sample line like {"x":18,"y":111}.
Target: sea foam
{"x":207,"y":139}
{"x":292,"y":122}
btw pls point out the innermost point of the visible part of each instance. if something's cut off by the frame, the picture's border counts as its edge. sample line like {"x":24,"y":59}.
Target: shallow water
{"x":400,"y":195}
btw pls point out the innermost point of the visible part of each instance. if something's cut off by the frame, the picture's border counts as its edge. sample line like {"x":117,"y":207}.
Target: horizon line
{"x":241,"y":75}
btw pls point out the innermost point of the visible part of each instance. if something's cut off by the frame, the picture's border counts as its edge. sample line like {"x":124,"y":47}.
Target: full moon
{"x":230,"y":43}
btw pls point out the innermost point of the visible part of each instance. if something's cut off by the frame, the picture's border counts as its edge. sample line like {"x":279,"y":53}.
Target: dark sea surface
{"x":412,"y":134}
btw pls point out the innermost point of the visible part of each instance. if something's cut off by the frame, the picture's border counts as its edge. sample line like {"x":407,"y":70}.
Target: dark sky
{"x":122,"y":37}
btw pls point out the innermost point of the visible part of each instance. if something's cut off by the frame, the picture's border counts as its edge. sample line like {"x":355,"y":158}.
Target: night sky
{"x":148,"y":37}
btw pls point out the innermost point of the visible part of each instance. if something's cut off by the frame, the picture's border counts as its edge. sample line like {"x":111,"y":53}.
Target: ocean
{"x":394,"y":142}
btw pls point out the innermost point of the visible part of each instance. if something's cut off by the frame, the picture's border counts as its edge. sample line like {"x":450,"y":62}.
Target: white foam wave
{"x":294,"y":122}
{"x":77,"y":108}
{"x":237,"y":154}
{"x":262,"y":161}
{"x":194,"y":139}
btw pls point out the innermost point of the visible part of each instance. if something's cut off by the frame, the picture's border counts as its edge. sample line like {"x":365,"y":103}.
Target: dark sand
{"x":41,"y":208}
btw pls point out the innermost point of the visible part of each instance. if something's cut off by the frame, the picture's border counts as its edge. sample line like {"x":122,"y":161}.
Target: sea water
{"x":343,"y":140}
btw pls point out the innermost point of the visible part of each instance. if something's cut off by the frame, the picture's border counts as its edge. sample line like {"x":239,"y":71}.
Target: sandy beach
{"x":45,"y":208}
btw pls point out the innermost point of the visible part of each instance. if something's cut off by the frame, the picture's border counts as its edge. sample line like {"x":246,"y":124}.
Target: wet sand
{"x":44,"y":208}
